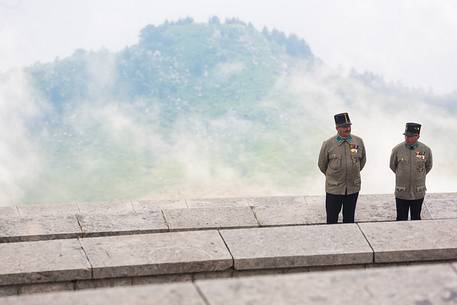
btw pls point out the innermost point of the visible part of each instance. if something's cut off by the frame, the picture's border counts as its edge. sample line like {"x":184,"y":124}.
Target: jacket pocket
{"x":421,"y":188}
{"x":334,"y":161}
{"x":400,"y":188}
{"x":332,"y":183}
{"x":357,"y":181}
{"x":403,"y":162}
{"x":420,"y":167}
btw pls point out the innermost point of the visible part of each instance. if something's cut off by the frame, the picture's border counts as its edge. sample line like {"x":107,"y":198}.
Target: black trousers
{"x":333,"y":205}
{"x":404,"y":206}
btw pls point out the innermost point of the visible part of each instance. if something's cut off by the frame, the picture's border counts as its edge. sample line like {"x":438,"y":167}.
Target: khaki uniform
{"x":341,"y":163}
{"x":410,"y":167}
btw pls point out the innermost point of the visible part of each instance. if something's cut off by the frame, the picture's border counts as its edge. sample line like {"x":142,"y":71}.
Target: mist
{"x":114,"y":150}
{"x":106,"y":146}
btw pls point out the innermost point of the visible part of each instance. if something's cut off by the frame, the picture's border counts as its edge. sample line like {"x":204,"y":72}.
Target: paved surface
{"x":298,"y":246}
{"x":153,"y":254}
{"x":412,"y":240}
{"x":43,"y":261}
{"x":410,"y":285}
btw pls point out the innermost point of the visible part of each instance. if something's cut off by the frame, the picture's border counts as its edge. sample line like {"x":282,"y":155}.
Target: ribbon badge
{"x":354,"y":149}
{"x":420,"y":155}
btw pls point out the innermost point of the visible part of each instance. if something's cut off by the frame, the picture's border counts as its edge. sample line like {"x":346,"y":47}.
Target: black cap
{"x":412,"y":129}
{"x":342,"y":119}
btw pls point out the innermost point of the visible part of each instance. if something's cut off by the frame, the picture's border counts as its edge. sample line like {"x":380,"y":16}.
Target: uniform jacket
{"x":341,"y":164}
{"x":410,"y":167}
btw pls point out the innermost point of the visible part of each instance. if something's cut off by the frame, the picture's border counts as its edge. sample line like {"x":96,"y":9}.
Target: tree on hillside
{"x":214,"y":20}
{"x":296,"y":46}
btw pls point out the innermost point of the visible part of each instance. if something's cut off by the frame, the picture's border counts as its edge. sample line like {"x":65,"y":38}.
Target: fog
{"x":109,"y":149}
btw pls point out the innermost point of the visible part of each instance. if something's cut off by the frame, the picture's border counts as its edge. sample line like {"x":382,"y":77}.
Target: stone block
{"x":114,"y":207}
{"x":264,"y":272}
{"x":46,"y":287}
{"x":170,"y":294}
{"x":318,"y":199}
{"x":208,"y":218}
{"x":278,"y":200}
{"x":299,"y":214}
{"x":153,"y":254}
{"x":213,"y":275}
{"x":447,"y":196}
{"x":406,"y":241}
{"x":8,"y":291}
{"x":122,"y":224}
{"x":220,"y":202}
{"x":245,"y":201}
{"x":47,"y":210}
{"x":412,"y":285}
{"x":147,"y":205}
{"x":297,"y":246}
{"x":375,"y":208}
{"x":102,"y":283}
{"x":43,"y":261}
{"x":41,"y":227}
{"x":372,"y":208}
{"x":441,"y":208}
{"x":161,"y":279}
{"x":10,"y":211}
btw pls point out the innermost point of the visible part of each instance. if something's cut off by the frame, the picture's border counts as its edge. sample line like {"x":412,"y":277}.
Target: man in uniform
{"x":341,"y":159}
{"x":410,"y":161}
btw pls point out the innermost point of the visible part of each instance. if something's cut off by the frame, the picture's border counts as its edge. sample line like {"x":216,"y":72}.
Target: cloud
{"x":107,"y":148}
{"x":19,"y":158}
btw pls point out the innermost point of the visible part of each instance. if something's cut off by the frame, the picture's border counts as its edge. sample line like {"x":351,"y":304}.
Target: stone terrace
{"x":78,"y":246}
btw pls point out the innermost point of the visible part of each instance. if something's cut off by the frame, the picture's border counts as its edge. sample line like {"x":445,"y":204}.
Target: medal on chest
{"x":420,"y":155}
{"x":354,"y":148}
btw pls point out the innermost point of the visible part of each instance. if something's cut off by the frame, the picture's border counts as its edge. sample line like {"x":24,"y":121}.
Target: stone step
{"x":269,"y":248}
{"x":113,"y":257}
{"x":407,"y":285}
{"x":170,"y":294}
{"x":412,"y":285}
{"x":43,"y":261}
{"x":298,"y":246}
{"x":412,"y":240}
{"x":31,"y":223}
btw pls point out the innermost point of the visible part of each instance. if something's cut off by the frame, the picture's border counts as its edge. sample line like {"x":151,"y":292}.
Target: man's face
{"x":410,"y":140}
{"x":344,"y":131}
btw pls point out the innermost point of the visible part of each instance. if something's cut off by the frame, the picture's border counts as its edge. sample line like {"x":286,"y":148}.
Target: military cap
{"x":342,"y":119}
{"x":412,"y":129}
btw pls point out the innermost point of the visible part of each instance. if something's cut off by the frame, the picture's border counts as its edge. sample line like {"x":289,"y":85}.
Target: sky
{"x":412,"y":42}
